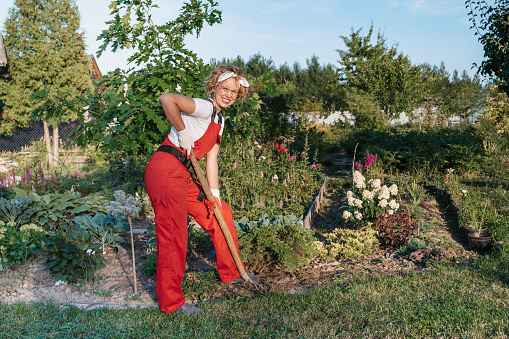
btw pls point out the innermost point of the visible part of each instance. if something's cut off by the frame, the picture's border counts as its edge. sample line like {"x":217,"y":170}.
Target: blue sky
{"x":428,"y":31}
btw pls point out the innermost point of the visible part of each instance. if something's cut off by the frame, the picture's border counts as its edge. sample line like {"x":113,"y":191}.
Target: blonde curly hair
{"x":211,"y":80}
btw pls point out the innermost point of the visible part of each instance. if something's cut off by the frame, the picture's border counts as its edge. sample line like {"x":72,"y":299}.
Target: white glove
{"x":215,"y":193}
{"x":185,"y":140}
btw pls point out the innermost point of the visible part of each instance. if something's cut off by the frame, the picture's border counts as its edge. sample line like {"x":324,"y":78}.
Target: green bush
{"x":71,"y":255}
{"x":19,"y":245}
{"x":287,"y":245}
{"x":350,"y":244}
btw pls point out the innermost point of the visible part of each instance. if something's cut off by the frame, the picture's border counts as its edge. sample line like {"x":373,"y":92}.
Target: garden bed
{"x":113,"y":284}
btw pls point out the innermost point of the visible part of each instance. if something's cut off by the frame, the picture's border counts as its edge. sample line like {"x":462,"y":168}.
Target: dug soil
{"x":113,"y":285}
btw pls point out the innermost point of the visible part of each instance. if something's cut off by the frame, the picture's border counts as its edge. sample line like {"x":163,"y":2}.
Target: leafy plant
{"x":394,"y":229}
{"x":350,"y":244}
{"x":53,"y":209}
{"x":71,"y":255}
{"x":200,"y":285}
{"x":19,"y":245}
{"x":104,"y":228}
{"x":287,"y":245}
{"x":17,"y":211}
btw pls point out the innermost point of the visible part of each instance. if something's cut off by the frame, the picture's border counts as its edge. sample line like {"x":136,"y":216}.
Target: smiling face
{"x":226,"y":93}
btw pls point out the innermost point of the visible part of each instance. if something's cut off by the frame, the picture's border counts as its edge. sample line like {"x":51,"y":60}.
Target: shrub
{"x":350,"y":244}
{"x":394,"y":229}
{"x":71,"y":255}
{"x":287,"y":245}
{"x":19,"y":245}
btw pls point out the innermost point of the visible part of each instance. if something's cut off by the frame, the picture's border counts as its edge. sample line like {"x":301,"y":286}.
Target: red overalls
{"x":173,"y":196}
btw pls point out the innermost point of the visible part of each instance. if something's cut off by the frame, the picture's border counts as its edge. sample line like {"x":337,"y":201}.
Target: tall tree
{"x":44,"y":49}
{"x":379,"y":70}
{"x":491,"y":24}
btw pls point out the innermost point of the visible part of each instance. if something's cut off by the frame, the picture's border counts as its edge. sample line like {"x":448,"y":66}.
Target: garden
{"x":66,"y":240}
{"x":357,"y":228}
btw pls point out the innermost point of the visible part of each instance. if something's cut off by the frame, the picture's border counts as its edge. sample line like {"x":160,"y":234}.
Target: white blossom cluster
{"x":124,"y":205}
{"x":382,"y":196}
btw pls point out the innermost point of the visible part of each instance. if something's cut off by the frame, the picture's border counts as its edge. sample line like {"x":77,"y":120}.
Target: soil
{"x":113,"y":284}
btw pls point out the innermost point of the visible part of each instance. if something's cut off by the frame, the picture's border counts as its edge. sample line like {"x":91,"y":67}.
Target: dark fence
{"x":34,"y":132}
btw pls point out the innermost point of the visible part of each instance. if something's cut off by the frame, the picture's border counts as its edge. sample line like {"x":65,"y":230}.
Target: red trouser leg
{"x":167,"y":183}
{"x":173,"y":195}
{"x":224,"y":261}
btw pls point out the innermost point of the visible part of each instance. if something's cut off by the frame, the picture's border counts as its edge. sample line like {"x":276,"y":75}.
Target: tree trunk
{"x":47,"y":142}
{"x":55,"y":146}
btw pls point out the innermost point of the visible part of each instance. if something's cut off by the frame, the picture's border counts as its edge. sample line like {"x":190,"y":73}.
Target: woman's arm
{"x":173,"y":104}
{"x":212,"y":168}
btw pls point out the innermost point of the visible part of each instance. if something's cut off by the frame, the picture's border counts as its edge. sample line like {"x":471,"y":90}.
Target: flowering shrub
{"x":267,"y":178}
{"x":394,"y":229}
{"x":367,"y":200}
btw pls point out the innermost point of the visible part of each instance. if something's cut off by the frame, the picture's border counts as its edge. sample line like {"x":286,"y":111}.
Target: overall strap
{"x":219,"y":116}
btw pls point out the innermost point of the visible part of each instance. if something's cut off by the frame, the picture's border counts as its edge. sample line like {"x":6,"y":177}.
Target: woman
{"x":197,"y":124}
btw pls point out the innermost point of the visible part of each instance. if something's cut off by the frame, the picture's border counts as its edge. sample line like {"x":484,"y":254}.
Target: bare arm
{"x":212,"y":168}
{"x":173,"y":104}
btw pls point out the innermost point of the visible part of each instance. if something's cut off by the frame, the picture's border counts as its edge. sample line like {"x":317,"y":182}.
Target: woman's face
{"x":226,"y":93}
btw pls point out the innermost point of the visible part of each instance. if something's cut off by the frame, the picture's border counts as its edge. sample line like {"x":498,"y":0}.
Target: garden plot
{"x":113,"y":284}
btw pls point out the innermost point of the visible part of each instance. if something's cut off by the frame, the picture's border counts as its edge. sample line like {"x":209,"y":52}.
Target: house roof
{"x":3,"y":55}
{"x":96,"y":72}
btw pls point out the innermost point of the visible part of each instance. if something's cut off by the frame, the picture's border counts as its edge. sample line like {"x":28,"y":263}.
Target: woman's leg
{"x":224,"y":260}
{"x":167,"y":182}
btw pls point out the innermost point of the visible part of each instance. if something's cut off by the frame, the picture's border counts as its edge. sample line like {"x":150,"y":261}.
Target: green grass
{"x":453,"y":301}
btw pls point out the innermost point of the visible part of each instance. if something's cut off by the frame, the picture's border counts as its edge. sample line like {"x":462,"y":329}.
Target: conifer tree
{"x":44,"y":49}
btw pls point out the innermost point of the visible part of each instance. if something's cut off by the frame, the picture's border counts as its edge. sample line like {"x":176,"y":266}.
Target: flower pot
{"x":479,"y":243}
{"x":478,"y":232}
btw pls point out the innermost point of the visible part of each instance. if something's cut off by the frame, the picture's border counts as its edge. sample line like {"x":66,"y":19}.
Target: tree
{"x":491,"y":23}
{"x":378,"y":70}
{"x":44,"y":49}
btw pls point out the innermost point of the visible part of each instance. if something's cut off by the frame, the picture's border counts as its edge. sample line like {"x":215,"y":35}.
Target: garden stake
{"x":134,"y":258}
{"x":219,"y":217}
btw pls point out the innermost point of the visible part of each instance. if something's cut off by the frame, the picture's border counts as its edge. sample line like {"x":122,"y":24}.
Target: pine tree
{"x":44,"y":49}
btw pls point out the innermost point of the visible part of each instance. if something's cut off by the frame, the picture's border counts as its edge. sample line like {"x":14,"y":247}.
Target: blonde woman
{"x":198,"y":124}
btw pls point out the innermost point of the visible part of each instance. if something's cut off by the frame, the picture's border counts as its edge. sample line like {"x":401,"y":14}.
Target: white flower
{"x":60,"y":282}
{"x":351,"y":201}
{"x":262,"y":157}
{"x":390,"y":212}
{"x":464,"y":192}
{"x":393,"y":204}
{"x":358,"y":180}
{"x":384,"y":193}
{"x":275,"y":177}
{"x":347,"y":215}
{"x":376,"y":183}
{"x":357,"y":215}
{"x":349,"y":194}
{"x":382,"y":203}
{"x":89,"y":251}
{"x":358,"y":203}
{"x":393,"y":189}
{"x":368,"y":195}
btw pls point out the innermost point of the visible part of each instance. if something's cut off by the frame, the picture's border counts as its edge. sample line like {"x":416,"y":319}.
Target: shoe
{"x":189,"y":310}
{"x":238,"y":280}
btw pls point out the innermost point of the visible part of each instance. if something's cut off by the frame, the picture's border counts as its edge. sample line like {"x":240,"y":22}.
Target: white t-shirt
{"x":197,"y":122}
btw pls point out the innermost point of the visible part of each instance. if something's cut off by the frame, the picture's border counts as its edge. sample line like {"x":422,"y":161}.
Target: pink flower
{"x":313,"y":166}
{"x":286,"y":150}
{"x":302,"y":153}
{"x":235,"y":165}
{"x":277,"y":145}
{"x":293,"y":157}
{"x":77,"y":173}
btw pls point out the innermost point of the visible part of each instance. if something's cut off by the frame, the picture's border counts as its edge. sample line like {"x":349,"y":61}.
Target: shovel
{"x":219,"y":217}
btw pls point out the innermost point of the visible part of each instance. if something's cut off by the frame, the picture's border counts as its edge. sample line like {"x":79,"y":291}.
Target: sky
{"x":427,"y":31}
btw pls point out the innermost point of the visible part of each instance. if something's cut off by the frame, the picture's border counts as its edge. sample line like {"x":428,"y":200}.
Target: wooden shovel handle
{"x":219,"y":216}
